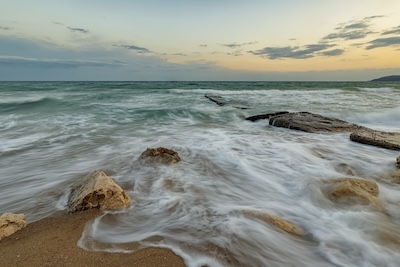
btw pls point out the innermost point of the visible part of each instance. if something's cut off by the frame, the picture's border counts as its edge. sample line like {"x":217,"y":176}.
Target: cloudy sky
{"x":199,"y":39}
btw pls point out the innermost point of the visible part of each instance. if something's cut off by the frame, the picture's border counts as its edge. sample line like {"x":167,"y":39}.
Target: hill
{"x":392,"y":78}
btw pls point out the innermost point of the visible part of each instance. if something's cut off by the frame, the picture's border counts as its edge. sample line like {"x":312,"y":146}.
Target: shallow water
{"x":53,"y":133}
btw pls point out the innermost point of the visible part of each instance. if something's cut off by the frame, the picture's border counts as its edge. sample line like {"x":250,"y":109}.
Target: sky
{"x":174,"y":40}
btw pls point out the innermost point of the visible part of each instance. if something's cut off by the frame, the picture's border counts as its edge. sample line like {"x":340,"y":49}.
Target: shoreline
{"x":52,"y":241}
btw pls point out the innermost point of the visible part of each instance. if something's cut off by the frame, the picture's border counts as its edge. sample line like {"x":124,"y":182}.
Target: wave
{"x":25,"y":102}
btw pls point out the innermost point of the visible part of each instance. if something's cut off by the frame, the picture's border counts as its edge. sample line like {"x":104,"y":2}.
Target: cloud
{"x":56,"y":63}
{"x":236,"y":53}
{"x":203,"y":45}
{"x":138,"y":49}
{"x":352,"y":30}
{"x":295,"y":52}
{"x":57,"y":23}
{"x":5,"y":28}
{"x":334,"y":52}
{"x":180,"y":54}
{"x":384,"y":42}
{"x":236,"y":45}
{"x":395,"y":30}
{"x":78,"y":30}
{"x":292,"y":39}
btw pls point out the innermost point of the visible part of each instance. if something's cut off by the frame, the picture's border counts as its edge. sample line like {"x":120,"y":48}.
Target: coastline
{"x":53,"y":241}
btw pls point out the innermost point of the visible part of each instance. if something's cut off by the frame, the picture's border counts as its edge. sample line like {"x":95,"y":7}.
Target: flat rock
{"x":389,"y":140}
{"x":275,"y":220}
{"x":160,"y":155}
{"x":220,"y":101}
{"x":265,"y":116}
{"x":312,"y":123}
{"x":11,"y":223}
{"x":97,"y":190}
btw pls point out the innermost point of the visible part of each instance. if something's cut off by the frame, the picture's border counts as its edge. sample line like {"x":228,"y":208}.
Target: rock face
{"x":220,"y":101}
{"x":276,"y":221}
{"x":161,"y":155}
{"x":265,"y":116}
{"x":97,"y":190}
{"x":353,"y":191}
{"x":312,"y":123}
{"x":387,"y":140}
{"x":11,"y":223}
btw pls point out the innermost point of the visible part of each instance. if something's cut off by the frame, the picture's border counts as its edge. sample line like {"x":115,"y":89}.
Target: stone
{"x":97,"y":190}
{"x":346,"y":169}
{"x":160,"y":155}
{"x":389,"y":140}
{"x":11,"y":223}
{"x":312,"y":123}
{"x":220,"y":101}
{"x":353,"y":191}
{"x":265,"y":116}
{"x":396,"y":177}
{"x":275,"y":220}
{"x":398,"y":162}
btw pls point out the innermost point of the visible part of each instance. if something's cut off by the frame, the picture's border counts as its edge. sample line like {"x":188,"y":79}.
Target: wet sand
{"x":52,"y":242}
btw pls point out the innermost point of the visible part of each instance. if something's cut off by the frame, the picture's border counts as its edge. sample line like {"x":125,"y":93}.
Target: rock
{"x":353,"y":191}
{"x":265,"y":116}
{"x":387,"y":140}
{"x":97,"y":190}
{"x":398,"y":162}
{"x":396,"y":177}
{"x":220,"y":101}
{"x":11,"y":223}
{"x":161,"y":155}
{"x":346,"y":169}
{"x":276,"y":221}
{"x":312,"y":123}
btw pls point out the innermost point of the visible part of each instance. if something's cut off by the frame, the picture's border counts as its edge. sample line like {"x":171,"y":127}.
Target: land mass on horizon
{"x":391,"y":78}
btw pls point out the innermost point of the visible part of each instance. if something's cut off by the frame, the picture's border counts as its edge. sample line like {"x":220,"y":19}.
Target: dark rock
{"x":312,"y":123}
{"x":398,"y":162}
{"x":392,"y":78}
{"x":387,"y":140}
{"x":265,"y":116}
{"x":220,"y":101}
{"x":161,"y":155}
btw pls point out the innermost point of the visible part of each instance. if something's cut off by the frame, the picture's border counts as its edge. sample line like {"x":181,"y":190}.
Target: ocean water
{"x":53,"y":133}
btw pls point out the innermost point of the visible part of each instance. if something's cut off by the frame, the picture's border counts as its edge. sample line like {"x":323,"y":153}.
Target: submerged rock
{"x":276,"y":221}
{"x":11,"y":223}
{"x":220,"y":101}
{"x":97,"y":190}
{"x":312,"y":123}
{"x":265,"y":116}
{"x":161,"y":155}
{"x":396,"y":177}
{"x":346,"y":169}
{"x":387,"y":140}
{"x":353,"y":191}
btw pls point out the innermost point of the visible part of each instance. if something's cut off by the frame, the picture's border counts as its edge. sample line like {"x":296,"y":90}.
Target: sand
{"x":52,"y":242}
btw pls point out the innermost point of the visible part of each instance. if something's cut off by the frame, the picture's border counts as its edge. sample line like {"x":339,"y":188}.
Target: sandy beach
{"x":53,"y":242}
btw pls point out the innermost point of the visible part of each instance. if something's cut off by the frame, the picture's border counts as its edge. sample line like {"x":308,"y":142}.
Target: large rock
{"x":220,"y":101}
{"x":97,"y":190}
{"x":11,"y":223}
{"x":377,"y":138}
{"x":312,"y":123}
{"x":275,"y":220}
{"x":353,"y":191}
{"x":265,"y":116}
{"x":396,"y":177}
{"x":398,"y":162}
{"x":160,"y":155}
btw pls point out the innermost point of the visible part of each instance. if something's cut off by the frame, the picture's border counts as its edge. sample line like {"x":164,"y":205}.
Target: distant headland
{"x":391,"y":78}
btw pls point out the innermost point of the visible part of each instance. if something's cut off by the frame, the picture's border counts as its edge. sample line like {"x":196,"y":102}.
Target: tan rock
{"x":346,"y":169}
{"x":398,"y":162}
{"x":389,"y":140}
{"x":276,"y":221}
{"x":396,"y":177}
{"x":11,"y":223}
{"x":97,"y":190}
{"x":353,"y":191}
{"x":161,"y":155}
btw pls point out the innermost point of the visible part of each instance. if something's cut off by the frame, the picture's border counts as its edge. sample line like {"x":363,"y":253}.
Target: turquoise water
{"x":53,"y":133}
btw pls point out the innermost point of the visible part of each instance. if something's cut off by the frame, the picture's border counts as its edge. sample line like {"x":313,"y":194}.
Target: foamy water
{"x":53,"y":133}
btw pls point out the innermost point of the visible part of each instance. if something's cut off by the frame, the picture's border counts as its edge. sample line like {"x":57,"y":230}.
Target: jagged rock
{"x":396,"y":177}
{"x":97,"y":190}
{"x":11,"y":223}
{"x":275,"y":220}
{"x":161,"y":155}
{"x":353,"y":191}
{"x":312,"y":123}
{"x":265,"y":116}
{"x":387,"y":140}
{"x":398,"y":162}
{"x":220,"y":101}
{"x":346,"y":169}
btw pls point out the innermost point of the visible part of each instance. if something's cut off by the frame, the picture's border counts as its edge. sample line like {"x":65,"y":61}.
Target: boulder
{"x":396,"y":177}
{"x":265,"y":116}
{"x":160,"y":155}
{"x":97,"y":190}
{"x":398,"y":162}
{"x":275,"y":220}
{"x":387,"y":140}
{"x":312,"y":123}
{"x":353,"y":191}
{"x":11,"y":223}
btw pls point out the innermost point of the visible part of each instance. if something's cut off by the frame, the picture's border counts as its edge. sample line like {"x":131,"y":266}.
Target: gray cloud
{"x":78,"y":30}
{"x":295,"y":52}
{"x":138,"y":49}
{"x":203,"y":45}
{"x":334,"y":52}
{"x":384,"y":42}
{"x":356,"y":25}
{"x":55,"y":63}
{"x":292,"y":39}
{"x":57,"y":23}
{"x":236,"y":53}
{"x":348,"y":35}
{"x":180,"y":54}
{"x":236,"y":45}
{"x":395,"y":30}
{"x":5,"y":28}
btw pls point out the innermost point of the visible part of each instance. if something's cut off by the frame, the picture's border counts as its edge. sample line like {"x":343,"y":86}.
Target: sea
{"x":54,"y":133}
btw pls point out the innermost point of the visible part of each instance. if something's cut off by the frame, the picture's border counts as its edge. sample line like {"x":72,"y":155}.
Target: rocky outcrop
{"x":160,"y":155}
{"x":11,"y":223}
{"x":97,"y":190}
{"x":275,"y":220}
{"x":398,"y":162}
{"x":387,"y":140}
{"x":352,"y":191}
{"x":265,"y":116}
{"x":312,"y":123}
{"x":220,"y":101}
